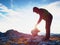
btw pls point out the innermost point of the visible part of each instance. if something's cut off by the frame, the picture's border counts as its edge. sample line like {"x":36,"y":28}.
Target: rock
{"x":12,"y":37}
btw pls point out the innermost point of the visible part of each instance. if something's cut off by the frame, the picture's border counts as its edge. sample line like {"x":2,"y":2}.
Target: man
{"x":46,"y":16}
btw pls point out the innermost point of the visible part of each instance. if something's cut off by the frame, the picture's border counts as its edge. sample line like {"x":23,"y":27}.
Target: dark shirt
{"x":44,"y":14}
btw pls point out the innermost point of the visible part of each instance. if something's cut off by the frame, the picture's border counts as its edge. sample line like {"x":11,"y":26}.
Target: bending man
{"x":46,"y":16}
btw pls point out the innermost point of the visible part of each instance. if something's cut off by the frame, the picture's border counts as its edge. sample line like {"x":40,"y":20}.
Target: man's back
{"x":45,"y":14}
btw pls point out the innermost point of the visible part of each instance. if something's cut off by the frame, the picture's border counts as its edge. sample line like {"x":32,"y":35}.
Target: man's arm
{"x":39,"y":19}
{"x":38,"y":22}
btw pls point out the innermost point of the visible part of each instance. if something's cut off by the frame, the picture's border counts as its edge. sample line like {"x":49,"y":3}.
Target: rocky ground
{"x":12,"y":37}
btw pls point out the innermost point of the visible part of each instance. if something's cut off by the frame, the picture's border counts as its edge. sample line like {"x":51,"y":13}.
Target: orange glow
{"x":35,"y":32}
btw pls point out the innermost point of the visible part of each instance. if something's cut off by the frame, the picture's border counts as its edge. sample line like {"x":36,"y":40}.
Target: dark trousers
{"x":48,"y":25}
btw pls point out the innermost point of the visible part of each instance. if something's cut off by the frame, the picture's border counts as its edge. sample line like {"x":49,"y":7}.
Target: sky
{"x":19,"y":15}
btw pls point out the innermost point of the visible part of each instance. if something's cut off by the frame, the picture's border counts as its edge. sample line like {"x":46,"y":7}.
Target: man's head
{"x":35,"y":9}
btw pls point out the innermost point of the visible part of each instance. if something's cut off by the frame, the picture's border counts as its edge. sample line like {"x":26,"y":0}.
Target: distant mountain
{"x":13,"y":34}
{"x":2,"y":34}
{"x":55,"y":35}
{"x":52,"y":34}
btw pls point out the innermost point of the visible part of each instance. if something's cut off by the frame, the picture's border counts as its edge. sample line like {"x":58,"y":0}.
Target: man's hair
{"x":35,"y":9}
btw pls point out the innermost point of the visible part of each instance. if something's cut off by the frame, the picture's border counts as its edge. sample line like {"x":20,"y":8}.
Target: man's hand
{"x":36,"y":25}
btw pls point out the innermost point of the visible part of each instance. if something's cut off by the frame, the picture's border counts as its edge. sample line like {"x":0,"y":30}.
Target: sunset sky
{"x":19,"y":15}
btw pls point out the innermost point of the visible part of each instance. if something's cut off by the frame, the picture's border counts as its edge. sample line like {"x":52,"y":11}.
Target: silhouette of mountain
{"x":2,"y":34}
{"x":55,"y":35}
{"x":13,"y":34}
{"x":12,"y":37}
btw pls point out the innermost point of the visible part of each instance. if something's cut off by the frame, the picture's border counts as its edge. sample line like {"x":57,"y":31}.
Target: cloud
{"x":54,"y":9}
{"x":24,"y":19}
{"x":3,"y":8}
{"x":19,"y":20}
{"x":8,"y":21}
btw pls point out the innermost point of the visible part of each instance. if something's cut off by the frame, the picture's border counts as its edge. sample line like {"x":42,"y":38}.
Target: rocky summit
{"x":12,"y":37}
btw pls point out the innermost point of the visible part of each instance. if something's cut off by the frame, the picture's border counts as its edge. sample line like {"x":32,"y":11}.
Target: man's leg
{"x":47,"y":31}
{"x":48,"y":25}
